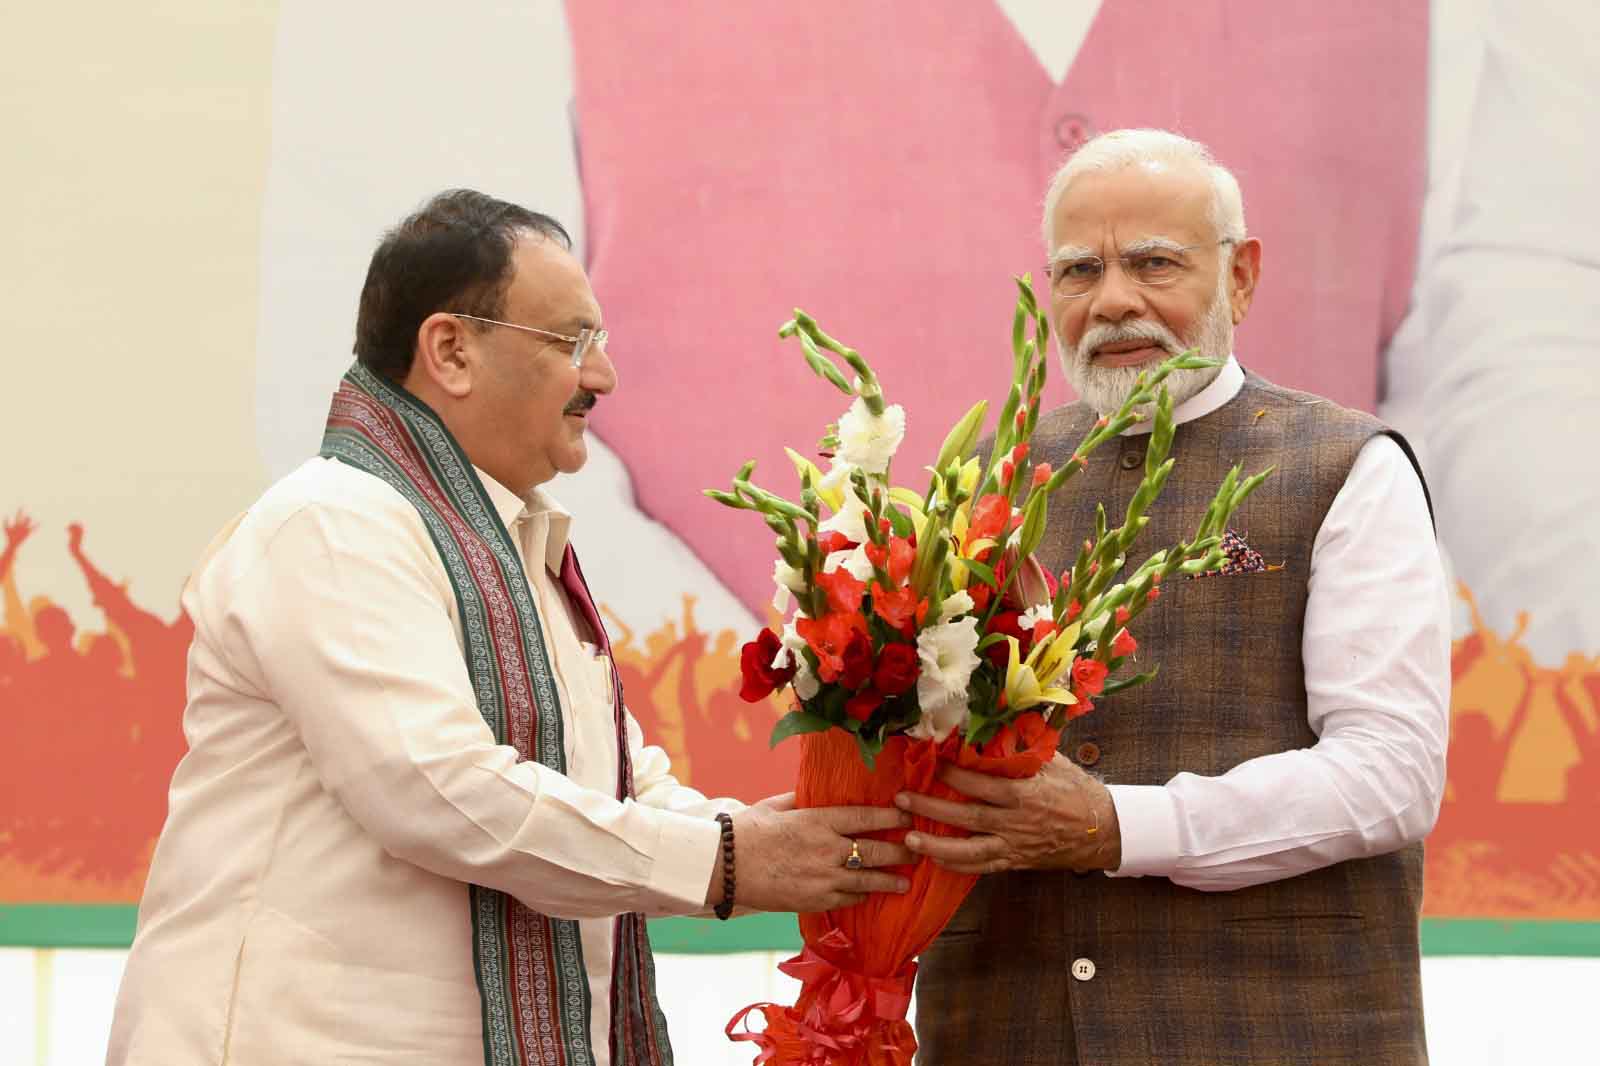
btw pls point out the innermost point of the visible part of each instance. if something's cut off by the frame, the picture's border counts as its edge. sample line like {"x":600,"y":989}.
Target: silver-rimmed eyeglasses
{"x":1154,"y":264}
{"x":585,"y":340}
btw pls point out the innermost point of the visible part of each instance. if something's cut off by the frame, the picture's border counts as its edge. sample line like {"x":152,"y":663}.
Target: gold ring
{"x":1093,"y":829}
{"x":854,"y":861}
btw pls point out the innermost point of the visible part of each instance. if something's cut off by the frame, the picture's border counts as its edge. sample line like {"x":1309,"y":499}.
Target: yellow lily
{"x":1028,"y":685}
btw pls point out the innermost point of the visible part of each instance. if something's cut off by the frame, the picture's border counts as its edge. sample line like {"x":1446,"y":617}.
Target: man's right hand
{"x":794,"y":860}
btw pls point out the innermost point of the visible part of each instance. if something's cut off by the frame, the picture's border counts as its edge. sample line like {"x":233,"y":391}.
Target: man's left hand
{"x":1061,"y":818}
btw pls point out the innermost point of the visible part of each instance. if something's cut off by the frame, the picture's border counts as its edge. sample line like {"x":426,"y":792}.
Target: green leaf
{"x":869,"y":749}
{"x":795,"y":723}
{"x":989,"y":640}
{"x":1113,"y":687}
{"x":983,"y":571}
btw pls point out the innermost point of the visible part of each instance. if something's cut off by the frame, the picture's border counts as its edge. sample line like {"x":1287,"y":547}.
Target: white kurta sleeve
{"x":1376,"y":649}
{"x":345,"y":621}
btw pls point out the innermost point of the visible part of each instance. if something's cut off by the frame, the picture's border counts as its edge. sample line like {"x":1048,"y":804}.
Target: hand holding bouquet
{"x":925,"y":632}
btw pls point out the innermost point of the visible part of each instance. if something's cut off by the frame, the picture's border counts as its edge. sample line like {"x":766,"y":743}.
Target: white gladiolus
{"x":868,"y":440}
{"x":853,"y":560}
{"x":788,"y":580}
{"x":960,"y":603}
{"x":1034,"y":615}
{"x":805,"y":683}
{"x":948,"y":652}
{"x":851,"y":519}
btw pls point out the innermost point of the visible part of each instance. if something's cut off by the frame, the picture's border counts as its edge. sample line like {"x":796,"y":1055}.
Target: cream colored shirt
{"x":307,"y":901}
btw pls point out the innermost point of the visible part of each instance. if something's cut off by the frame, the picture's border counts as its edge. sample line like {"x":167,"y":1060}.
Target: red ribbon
{"x":842,"y":1009}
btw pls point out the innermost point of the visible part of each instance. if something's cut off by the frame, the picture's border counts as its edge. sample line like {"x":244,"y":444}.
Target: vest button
{"x":1131,"y":460}
{"x":1088,"y":753}
{"x":1083,"y":969}
{"x":1072,"y":131}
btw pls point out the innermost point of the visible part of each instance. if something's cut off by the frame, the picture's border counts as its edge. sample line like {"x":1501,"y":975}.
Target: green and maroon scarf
{"x":530,"y":969}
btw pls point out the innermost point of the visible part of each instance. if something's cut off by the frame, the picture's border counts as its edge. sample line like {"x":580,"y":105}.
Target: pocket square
{"x":1237,"y":558}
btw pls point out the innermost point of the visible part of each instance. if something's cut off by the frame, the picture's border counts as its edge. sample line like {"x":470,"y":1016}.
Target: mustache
{"x":582,"y":403}
{"x":1137,"y":330}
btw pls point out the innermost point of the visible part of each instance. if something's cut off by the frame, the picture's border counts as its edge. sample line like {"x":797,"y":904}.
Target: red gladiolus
{"x":1019,"y":454}
{"x":843,"y":589}
{"x":834,"y":541}
{"x":760,"y":680}
{"x":862,"y":704}
{"x":1041,"y":474}
{"x":1124,"y":644}
{"x":1081,"y":708}
{"x":1044,"y":629}
{"x":980,"y":594}
{"x":902,"y":553}
{"x":1089,"y":676}
{"x":1022,"y":420}
{"x":989,"y":517}
{"x":828,"y":637}
{"x":1007,"y":472}
{"x":1074,"y":609}
{"x":1154,"y":595}
{"x":1122,"y":615}
{"x":897,"y":669}
{"x":900,"y":608}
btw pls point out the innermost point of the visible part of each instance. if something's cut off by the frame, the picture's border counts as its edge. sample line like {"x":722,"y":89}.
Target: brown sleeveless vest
{"x":1320,"y":968}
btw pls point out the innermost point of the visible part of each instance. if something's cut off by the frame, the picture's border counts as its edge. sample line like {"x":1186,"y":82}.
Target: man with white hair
{"x":1259,"y":808}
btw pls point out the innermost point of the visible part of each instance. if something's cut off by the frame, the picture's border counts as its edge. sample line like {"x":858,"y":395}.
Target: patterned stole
{"x":530,"y":969}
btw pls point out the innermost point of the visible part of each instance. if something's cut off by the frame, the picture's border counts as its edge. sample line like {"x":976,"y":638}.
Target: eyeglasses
{"x":1155,"y":267}
{"x":586,"y":338}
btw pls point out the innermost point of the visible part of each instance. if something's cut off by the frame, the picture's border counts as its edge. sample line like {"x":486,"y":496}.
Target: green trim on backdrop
{"x":48,"y":925}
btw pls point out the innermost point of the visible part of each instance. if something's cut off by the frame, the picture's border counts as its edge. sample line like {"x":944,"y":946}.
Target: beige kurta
{"x":307,"y":902}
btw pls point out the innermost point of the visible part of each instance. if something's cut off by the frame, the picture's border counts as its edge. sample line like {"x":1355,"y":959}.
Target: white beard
{"x":1104,"y":388}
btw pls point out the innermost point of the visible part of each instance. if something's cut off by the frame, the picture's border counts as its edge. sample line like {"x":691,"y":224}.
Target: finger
{"x":873,"y":881}
{"x":1000,"y":791}
{"x":783,"y":801}
{"x":883,"y":853}
{"x":853,"y":821}
{"x":838,"y":901}
{"x":967,"y":850}
{"x":966,"y":815}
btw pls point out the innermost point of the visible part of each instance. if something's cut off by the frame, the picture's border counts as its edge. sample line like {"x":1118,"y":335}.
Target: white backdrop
{"x":55,"y":1007}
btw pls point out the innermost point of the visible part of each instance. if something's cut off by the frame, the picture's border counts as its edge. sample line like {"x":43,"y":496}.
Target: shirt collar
{"x":537,"y":506}
{"x":1224,"y":387}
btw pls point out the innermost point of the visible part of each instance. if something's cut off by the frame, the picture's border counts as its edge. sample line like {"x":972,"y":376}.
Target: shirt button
{"x":1131,"y":459}
{"x":1088,"y":753}
{"x":1083,"y":969}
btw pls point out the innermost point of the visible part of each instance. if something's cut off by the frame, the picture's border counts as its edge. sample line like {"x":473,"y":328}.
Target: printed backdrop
{"x":201,"y":191}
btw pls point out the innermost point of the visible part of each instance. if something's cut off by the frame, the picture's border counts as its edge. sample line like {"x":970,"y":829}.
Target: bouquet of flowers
{"x":925,"y":631}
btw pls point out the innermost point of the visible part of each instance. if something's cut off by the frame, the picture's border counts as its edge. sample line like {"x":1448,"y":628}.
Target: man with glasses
{"x":1260,"y":808}
{"x":416,"y":823}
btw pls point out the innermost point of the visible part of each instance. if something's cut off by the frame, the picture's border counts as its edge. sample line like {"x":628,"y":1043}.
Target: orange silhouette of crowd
{"x":90,"y":730}
{"x":1519,"y":830}
{"x":717,"y":742}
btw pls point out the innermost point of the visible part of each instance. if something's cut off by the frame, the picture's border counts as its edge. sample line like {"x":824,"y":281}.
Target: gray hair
{"x":1120,"y":149}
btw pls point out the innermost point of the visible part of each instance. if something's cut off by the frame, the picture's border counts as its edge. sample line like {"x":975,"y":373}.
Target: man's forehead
{"x":550,"y":282}
{"x":1131,"y":205}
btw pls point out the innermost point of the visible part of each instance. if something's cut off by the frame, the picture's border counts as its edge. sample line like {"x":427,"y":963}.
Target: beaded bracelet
{"x":724,"y":910}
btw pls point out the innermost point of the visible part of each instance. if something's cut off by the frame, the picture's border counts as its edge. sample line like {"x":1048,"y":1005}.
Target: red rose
{"x":1008,"y":623}
{"x":760,"y":680}
{"x":857,"y":662}
{"x":1088,"y":676}
{"x":897,"y":669}
{"x":862,"y":704}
